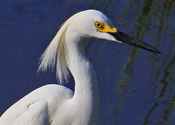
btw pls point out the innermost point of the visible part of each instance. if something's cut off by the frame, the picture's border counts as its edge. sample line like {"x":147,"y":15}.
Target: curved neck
{"x":86,"y":88}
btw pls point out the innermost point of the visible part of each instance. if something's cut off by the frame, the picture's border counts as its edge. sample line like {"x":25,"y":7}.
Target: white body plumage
{"x":56,"y":104}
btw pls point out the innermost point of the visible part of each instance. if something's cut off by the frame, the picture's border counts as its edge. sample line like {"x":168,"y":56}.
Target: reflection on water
{"x":136,"y":87}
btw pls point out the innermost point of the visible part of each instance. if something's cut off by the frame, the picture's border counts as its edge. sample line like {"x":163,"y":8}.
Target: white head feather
{"x":55,"y":52}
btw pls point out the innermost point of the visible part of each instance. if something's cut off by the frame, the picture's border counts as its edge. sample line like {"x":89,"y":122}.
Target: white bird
{"x":56,"y":104}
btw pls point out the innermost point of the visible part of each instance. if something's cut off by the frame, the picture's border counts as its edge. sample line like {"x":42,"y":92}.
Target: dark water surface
{"x":137,"y":87}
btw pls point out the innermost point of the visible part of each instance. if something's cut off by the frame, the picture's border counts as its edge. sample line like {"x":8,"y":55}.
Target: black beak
{"x":125,"y":38}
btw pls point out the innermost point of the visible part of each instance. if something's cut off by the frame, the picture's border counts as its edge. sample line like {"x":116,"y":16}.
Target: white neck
{"x":86,"y":88}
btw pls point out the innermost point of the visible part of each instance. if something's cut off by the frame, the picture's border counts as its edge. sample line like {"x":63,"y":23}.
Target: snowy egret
{"x":56,"y":104}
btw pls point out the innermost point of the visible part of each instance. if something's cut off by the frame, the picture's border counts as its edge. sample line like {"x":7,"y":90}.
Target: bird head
{"x":93,"y":23}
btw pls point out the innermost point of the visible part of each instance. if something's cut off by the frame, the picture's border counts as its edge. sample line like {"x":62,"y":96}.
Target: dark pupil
{"x":99,"y":25}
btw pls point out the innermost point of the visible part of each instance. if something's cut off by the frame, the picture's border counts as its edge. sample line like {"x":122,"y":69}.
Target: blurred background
{"x":137,"y":87}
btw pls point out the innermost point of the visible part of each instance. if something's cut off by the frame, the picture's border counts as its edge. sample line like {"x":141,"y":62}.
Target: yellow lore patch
{"x":101,"y":27}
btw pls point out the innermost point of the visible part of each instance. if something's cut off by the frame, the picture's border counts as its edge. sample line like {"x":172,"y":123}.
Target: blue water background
{"x":137,"y":87}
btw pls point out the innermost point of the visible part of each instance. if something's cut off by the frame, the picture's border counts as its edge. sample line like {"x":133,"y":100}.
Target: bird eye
{"x":98,"y":24}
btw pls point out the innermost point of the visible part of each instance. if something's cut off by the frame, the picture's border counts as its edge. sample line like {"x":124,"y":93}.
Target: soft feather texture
{"x":55,"y":104}
{"x":55,"y":54}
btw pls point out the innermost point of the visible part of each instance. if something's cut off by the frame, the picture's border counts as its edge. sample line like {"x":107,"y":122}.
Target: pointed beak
{"x":125,"y":38}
